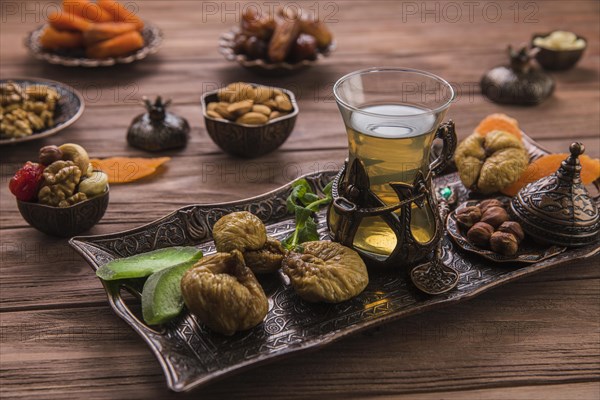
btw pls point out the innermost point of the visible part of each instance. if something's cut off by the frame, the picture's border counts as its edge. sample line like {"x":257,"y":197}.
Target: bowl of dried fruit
{"x":287,"y":41}
{"x":248,"y":120}
{"x":61,"y":194}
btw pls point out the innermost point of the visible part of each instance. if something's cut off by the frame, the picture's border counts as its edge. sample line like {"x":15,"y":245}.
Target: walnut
{"x":76,"y":198}
{"x":495,"y":216}
{"x":239,"y":231}
{"x":267,"y":259}
{"x":480,"y":234}
{"x":504,"y":243}
{"x":468,"y":216}
{"x":224,"y":293}
{"x":326,"y":272}
{"x":60,"y":180}
{"x":492,"y":162}
{"x":513,"y":228}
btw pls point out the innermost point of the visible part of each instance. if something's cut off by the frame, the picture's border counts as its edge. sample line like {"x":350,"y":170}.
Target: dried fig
{"x":492,"y":162}
{"x":495,"y":216}
{"x":268,"y":259}
{"x":513,"y":228}
{"x":239,"y":231}
{"x":480,"y":234}
{"x":468,"y":216}
{"x":224,"y":294}
{"x":326,"y":272}
{"x":504,"y":243}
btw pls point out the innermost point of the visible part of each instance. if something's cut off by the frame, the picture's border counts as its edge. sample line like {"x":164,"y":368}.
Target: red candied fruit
{"x":24,"y":185}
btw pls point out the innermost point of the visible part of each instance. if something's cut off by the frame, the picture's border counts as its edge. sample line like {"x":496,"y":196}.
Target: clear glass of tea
{"x":392,"y":116}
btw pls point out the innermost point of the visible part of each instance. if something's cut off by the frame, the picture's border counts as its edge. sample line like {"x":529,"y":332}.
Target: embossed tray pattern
{"x":191,"y":355}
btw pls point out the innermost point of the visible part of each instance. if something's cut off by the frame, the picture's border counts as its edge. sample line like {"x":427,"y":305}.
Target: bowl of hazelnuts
{"x":485,"y":228}
{"x":279,"y":43}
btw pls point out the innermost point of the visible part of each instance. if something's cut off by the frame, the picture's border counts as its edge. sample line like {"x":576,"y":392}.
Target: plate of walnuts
{"x":484,"y":228}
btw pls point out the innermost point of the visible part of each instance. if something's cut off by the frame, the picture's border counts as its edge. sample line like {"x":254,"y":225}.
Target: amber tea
{"x":392,"y":151}
{"x":384,"y":206}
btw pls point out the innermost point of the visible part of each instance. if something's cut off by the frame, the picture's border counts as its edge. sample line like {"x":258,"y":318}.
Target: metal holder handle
{"x":447,"y":133}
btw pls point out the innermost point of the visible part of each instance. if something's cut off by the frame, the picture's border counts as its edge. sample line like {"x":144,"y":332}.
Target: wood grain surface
{"x":537,"y":338}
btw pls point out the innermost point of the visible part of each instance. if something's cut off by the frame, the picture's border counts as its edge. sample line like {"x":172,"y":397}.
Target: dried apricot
{"x":547,"y":165}
{"x":125,"y":169}
{"x":498,"y":122}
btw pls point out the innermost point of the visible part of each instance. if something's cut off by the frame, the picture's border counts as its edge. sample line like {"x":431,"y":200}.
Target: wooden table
{"x":536,"y":338}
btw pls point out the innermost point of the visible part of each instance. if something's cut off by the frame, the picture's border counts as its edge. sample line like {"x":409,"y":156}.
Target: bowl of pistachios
{"x":249,"y":120}
{"x":32,"y":108}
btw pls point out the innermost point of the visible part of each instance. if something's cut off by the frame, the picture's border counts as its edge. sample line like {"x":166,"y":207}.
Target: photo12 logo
{"x":232,"y":11}
{"x":469,"y":11}
{"x":40,"y":12}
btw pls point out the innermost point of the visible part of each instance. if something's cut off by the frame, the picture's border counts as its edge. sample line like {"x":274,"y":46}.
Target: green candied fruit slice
{"x":161,"y":297}
{"x":142,"y":265}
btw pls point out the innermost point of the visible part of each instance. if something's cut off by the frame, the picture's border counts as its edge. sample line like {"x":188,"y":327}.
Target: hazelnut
{"x":513,"y":228}
{"x":504,"y":243}
{"x":485,"y":204}
{"x":50,"y":154}
{"x":480,"y":234}
{"x":468,"y":216}
{"x":495,"y":216}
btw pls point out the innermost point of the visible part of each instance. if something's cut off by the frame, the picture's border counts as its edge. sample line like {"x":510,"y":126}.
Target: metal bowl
{"x":76,"y":58}
{"x":557,"y":60}
{"x":264,"y":67}
{"x":65,"y":221}
{"x":249,"y":141}
{"x":69,"y":108}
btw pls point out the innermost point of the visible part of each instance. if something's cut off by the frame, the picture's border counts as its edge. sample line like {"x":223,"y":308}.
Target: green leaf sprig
{"x":303,"y":202}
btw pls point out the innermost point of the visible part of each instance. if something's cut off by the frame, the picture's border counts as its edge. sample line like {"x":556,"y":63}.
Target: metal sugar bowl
{"x":558,"y":209}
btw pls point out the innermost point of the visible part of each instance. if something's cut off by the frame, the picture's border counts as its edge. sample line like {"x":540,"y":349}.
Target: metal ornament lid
{"x":558,"y":208}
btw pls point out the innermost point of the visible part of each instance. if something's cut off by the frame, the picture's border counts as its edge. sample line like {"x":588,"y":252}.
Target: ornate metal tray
{"x":191,"y":355}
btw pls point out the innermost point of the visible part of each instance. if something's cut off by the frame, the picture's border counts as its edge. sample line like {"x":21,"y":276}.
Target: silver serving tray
{"x":191,"y":355}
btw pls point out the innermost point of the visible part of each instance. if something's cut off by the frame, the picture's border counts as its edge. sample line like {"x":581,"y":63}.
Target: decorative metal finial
{"x":436,"y":277}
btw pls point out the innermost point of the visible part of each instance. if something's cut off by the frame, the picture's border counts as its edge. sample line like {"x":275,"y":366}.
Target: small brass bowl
{"x":249,"y":141}
{"x":65,"y":221}
{"x":557,"y":60}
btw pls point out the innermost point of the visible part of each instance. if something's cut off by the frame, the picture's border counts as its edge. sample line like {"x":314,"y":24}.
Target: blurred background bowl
{"x":249,"y":141}
{"x":557,"y":60}
{"x":264,"y":67}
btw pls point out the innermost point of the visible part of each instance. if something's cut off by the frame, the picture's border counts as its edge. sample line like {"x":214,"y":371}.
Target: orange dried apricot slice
{"x":128,"y":169}
{"x":498,"y":122}
{"x":547,"y":165}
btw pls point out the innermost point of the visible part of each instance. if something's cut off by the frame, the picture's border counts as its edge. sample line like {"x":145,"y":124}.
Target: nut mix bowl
{"x":65,"y":221}
{"x":249,"y":141}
